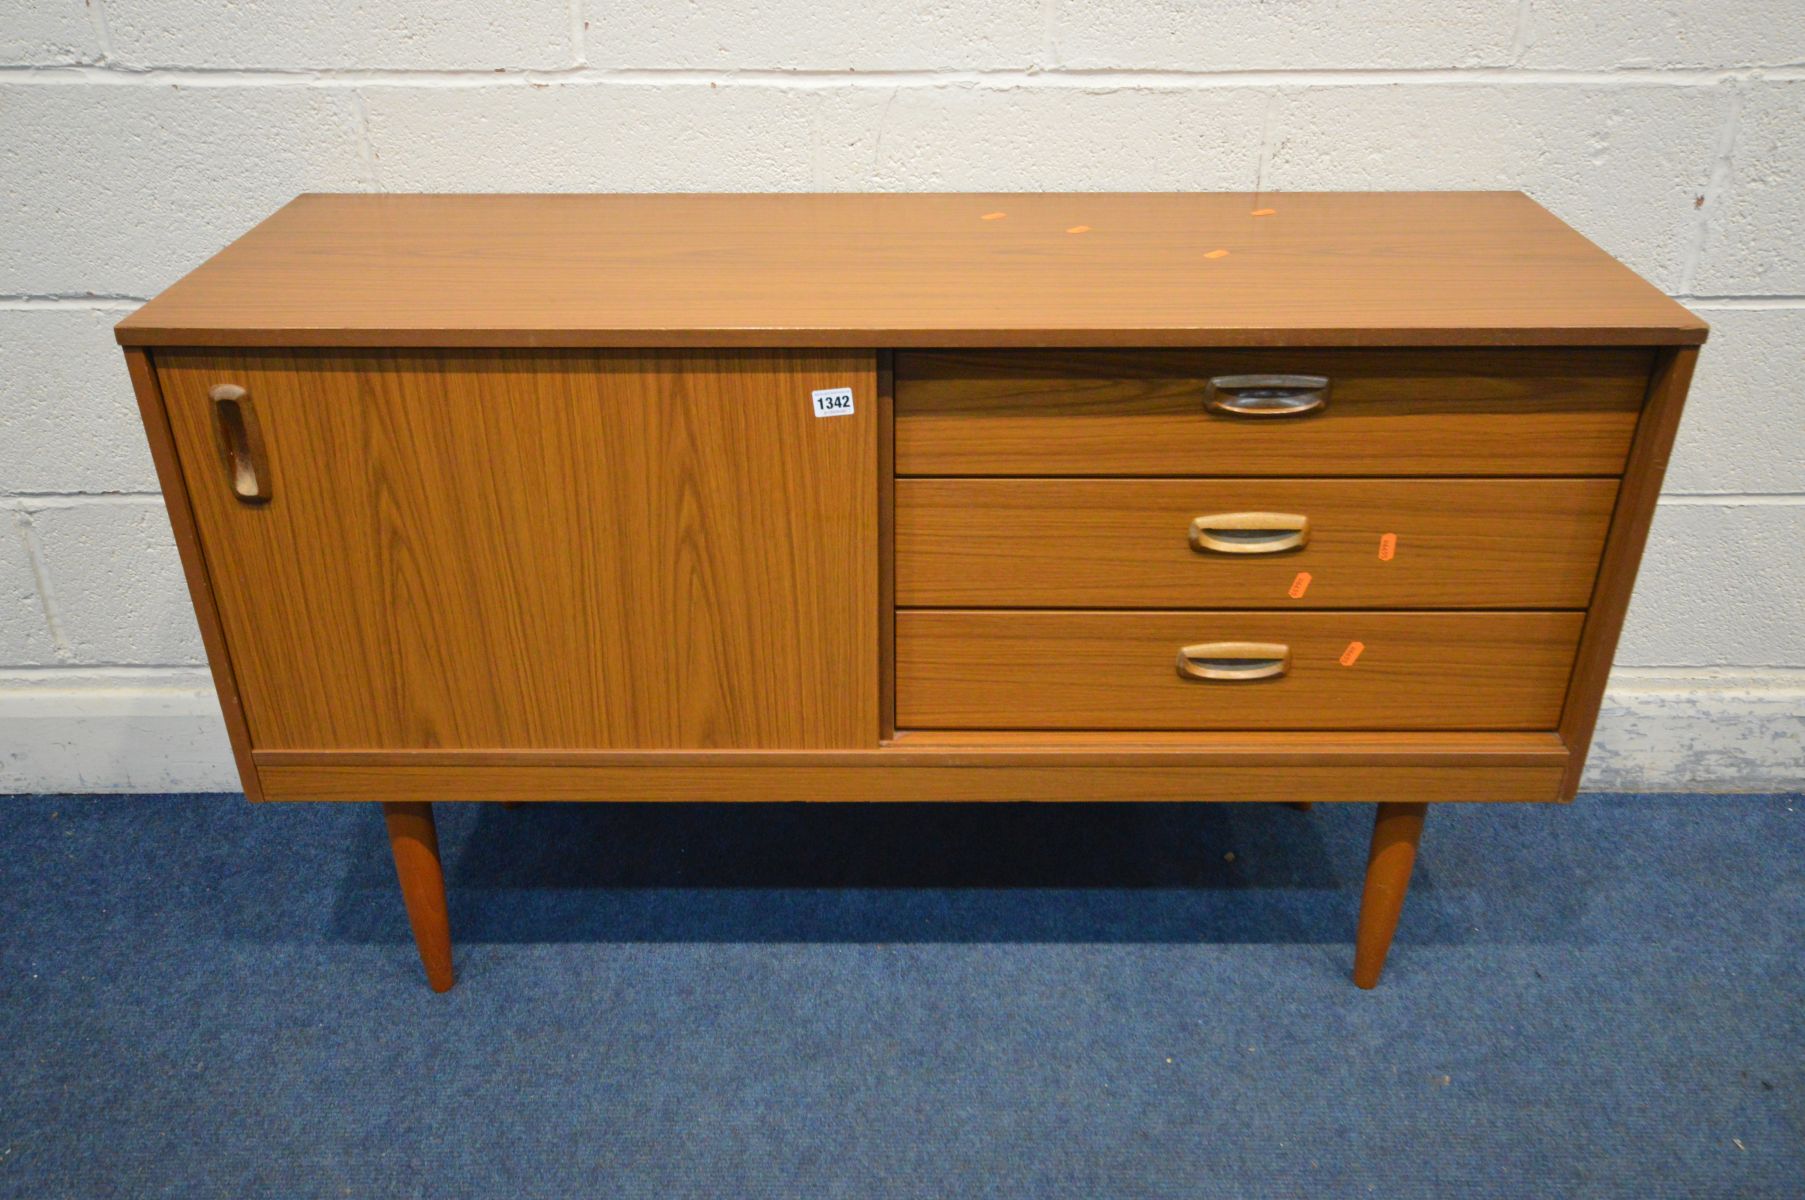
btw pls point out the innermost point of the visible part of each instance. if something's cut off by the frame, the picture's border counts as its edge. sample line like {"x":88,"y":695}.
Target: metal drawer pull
{"x":1234,"y":660}
{"x":1266,"y":395}
{"x":1249,"y":532}
{"x":241,"y":442}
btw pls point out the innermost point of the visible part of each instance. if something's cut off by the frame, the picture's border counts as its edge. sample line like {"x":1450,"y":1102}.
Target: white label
{"x":833,"y":402}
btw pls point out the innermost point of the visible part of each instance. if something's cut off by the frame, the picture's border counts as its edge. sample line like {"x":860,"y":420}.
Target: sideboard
{"x":1226,"y":497}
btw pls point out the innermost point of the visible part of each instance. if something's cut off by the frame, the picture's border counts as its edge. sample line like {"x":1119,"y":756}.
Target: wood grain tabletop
{"x":912,"y":270}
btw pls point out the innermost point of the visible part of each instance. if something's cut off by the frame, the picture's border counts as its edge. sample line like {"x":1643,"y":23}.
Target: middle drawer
{"x":1247,"y":543}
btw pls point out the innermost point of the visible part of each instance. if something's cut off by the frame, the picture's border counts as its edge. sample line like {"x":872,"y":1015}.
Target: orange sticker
{"x":1300,"y":585}
{"x":1265,"y":212}
{"x":1079,"y":229}
{"x":993,"y":216}
{"x":1352,"y":653}
{"x":1217,"y":254}
{"x":1388,"y":546}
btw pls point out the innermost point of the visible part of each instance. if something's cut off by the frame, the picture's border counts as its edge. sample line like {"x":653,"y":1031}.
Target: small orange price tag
{"x":1388,"y":546}
{"x":1352,"y":654}
{"x":1300,"y":585}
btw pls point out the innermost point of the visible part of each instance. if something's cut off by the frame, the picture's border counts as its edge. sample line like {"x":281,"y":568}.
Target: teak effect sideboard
{"x":1303,"y":497}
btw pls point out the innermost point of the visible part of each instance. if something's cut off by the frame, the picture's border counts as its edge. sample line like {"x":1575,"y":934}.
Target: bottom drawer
{"x":959,"y":669}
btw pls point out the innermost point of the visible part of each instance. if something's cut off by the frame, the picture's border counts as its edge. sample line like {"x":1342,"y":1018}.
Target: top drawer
{"x":1385,"y":412}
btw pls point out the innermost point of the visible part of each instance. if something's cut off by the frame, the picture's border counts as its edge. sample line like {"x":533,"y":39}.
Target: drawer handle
{"x":241,"y":442}
{"x":1266,"y":395}
{"x":1234,"y":660}
{"x":1249,"y":533}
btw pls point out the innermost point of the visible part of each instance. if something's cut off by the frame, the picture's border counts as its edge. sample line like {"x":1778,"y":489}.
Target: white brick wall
{"x":112,"y":582}
{"x":1181,"y":35}
{"x":25,"y":639}
{"x":139,"y":136}
{"x":971,"y":137}
{"x":1754,"y":246}
{"x":1623,"y":163}
{"x":47,"y":31}
{"x":1740,"y":434}
{"x":591,"y":137}
{"x":1663,"y":33}
{"x":336,"y":34}
{"x":1719,"y":587}
{"x":118,"y":189}
{"x":71,"y":421}
{"x":857,"y":35}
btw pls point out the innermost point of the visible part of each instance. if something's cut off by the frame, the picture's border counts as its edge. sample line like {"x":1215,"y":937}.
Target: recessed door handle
{"x":241,"y":443}
{"x":1249,"y":532}
{"x":1266,"y":395}
{"x":1234,"y":661}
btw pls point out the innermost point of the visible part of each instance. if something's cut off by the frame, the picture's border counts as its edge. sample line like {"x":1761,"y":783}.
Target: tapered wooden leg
{"x":415,"y":842}
{"x":1395,"y":834}
{"x":1299,"y":805}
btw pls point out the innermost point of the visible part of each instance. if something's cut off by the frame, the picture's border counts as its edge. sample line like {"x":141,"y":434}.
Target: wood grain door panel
{"x":1389,"y":412}
{"x":547,"y":550}
{"x":1124,"y":543}
{"x":960,"y":669}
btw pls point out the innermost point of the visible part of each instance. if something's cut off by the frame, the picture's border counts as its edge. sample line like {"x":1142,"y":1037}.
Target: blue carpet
{"x":199,"y":998}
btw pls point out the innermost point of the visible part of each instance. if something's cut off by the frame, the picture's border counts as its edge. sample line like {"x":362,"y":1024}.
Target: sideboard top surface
{"x":913,"y":270}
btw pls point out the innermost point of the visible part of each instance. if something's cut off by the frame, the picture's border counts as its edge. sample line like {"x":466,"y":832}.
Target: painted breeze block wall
{"x":139,"y":136}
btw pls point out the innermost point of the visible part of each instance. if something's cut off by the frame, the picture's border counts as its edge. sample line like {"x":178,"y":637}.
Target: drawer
{"x":959,"y":669}
{"x":1215,"y":543}
{"x":1154,"y":412}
